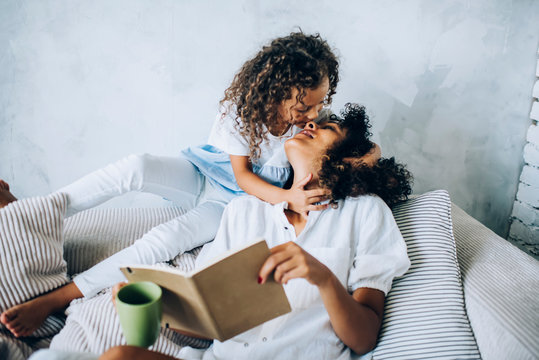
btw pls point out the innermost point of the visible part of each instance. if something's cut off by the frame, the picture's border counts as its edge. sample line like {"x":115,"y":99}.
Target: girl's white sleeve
{"x":380,"y":253}
{"x":226,"y":137}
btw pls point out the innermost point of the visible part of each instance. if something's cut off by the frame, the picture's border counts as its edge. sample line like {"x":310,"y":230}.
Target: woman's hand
{"x":290,"y":261}
{"x":301,"y":200}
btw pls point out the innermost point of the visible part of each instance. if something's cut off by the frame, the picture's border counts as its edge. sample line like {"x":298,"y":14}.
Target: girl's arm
{"x":299,"y":199}
{"x":356,"y":318}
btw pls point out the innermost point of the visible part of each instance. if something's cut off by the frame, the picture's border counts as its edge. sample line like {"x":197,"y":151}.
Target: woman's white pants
{"x":173,"y":178}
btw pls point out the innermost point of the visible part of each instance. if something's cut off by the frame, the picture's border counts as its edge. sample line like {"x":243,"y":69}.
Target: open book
{"x":222,"y":299}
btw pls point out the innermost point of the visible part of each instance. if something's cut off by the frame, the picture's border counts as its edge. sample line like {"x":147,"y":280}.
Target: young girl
{"x":270,"y":99}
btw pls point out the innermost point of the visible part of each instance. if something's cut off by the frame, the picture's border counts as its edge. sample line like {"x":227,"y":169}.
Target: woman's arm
{"x":299,"y":199}
{"x":356,"y":318}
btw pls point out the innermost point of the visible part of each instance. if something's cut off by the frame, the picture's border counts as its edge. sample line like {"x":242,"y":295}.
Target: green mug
{"x":139,"y":308}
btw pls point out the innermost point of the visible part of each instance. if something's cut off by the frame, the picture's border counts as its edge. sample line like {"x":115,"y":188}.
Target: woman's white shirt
{"x":359,"y":241}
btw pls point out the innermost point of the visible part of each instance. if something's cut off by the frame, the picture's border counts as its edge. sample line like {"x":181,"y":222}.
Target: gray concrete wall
{"x":447,"y":83}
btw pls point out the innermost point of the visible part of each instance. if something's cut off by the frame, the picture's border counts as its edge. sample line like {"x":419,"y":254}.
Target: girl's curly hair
{"x":345,"y":176}
{"x":294,"y":61}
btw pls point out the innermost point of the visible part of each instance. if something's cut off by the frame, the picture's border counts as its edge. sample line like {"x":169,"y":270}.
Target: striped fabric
{"x":93,"y":235}
{"x":502,"y":300}
{"x":31,"y":256}
{"x":92,"y":324}
{"x":425,"y":317}
{"x":31,"y":263}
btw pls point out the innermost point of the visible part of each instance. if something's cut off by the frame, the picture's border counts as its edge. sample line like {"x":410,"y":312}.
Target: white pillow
{"x":31,"y":248}
{"x":425,"y":316}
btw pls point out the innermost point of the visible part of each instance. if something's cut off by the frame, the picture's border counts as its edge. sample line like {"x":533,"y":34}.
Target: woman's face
{"x":314,"y":141}
{"x":299,"y":113}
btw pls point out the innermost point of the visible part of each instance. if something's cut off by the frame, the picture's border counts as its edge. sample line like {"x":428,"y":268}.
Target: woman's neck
{"x":301,"y":173}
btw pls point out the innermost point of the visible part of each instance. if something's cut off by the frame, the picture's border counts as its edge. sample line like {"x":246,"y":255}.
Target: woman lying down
{"x":336,"y":265}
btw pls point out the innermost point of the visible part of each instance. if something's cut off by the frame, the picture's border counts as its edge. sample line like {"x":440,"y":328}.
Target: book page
{"x":183,"y":307}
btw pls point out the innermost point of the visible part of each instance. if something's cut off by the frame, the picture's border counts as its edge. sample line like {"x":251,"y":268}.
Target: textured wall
{"x":447,"y":82}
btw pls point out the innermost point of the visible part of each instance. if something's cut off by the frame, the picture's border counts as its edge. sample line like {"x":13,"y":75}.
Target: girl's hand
{"x":301,"y":200}
{"x":290,"y":261}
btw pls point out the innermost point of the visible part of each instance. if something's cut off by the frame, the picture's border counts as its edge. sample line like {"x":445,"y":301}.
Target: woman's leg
{"x":174,"y":178}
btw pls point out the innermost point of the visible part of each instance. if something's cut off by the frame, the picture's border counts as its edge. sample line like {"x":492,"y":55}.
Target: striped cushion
{"x":31,"y":242}
{"x":425,"y":315}
{"x":31,"y":263}
{"x":93,"y":235}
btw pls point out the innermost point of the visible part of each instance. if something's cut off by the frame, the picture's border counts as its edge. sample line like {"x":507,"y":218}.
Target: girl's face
{"x":299,"y":113}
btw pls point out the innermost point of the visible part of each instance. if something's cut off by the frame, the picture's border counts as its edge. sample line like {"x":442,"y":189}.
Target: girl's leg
{"x":163,"y":242}
{"x":174,"y":178}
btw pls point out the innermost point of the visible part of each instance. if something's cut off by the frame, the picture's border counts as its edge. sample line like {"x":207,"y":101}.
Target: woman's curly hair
{"x":264,"y":82}
{"x":344,"y":175}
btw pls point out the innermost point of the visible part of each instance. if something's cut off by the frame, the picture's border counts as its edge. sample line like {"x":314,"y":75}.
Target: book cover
{"x":220,"y":300}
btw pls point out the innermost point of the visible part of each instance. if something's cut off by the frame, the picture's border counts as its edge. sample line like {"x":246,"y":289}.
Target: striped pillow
{"x":425,"y":316}
{"x":31,"y":244}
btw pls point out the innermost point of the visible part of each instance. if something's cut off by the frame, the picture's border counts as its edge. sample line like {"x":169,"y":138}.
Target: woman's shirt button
{"x":264,"y":339}
{"x":246,"y":344}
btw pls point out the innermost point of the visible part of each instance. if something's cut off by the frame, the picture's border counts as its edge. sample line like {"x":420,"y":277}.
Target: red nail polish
{"x":260,"y":280}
